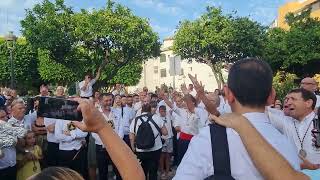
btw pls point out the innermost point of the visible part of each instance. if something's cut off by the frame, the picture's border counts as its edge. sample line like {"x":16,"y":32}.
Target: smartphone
{"x":59,"y":108}
{"x":316,"y":131}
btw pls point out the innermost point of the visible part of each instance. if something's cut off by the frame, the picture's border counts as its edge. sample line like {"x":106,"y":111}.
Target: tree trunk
{"x":216,"y":75}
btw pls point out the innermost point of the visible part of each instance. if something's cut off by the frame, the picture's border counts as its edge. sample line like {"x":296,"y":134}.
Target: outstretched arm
{"x":187,"y":98}
{"x":266,"y":159}
{"x":120,"y":153}
{"x":211,"y":107}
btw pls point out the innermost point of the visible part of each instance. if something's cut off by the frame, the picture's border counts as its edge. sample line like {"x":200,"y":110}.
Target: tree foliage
{"x":25,"y":65}
{"x":296,"y":50}
{"x":282,"y":83}
{"x":215,"y":39}
{"x":70,"y":44}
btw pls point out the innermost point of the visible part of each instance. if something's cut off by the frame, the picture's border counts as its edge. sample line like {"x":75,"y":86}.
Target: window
{"x":155,"y":69}
{"x":162,"y":58}
{"x":181,"y":72}
{"x":163,"y":73}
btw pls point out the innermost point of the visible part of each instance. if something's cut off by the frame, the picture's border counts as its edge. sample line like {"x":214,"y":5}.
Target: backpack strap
{"x":155,"y":125}
{"x":135,"y":122}
{"x":220,"y":152}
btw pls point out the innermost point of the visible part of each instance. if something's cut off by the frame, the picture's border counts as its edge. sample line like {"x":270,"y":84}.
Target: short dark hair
{"x":154,"y":95}
{"x":135,"y":95}
{"x":306,"y":95}
{"x":153,"y":104}
{"x":146,"y":108}
{"x":107,"y":94}
{"x":250,"y":80}
{"x":163,"y":107}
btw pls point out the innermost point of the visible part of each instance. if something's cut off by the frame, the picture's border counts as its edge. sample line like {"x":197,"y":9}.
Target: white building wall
{"x":151,"y":80}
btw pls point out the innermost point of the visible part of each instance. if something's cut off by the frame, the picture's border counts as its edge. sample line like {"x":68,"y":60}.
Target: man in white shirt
{"x":149,"y":158}
{"x":71,"y":146}
{"x":86,"y":85}
{"x":18,"y":117}
{"x":103,"y":158}
{"x":310,"y":84}
{"x":186,"y":122}
{"x":137,"y":106}
{"x":298,"y":125}
{"x":247,"y":98}
{"x":8,"y":140}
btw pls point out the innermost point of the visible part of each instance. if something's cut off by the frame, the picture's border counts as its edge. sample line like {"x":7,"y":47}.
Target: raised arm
{"x":121,"y":155}
{"x":267,"y":160}
{"x":211,"y":107}
{"x":187,"y":98}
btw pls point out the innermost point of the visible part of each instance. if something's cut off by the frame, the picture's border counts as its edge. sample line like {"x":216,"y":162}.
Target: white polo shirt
{"x":197,"y":162}
{"x":50,"y":136}
{"x":188,"y":122}
{"x":158,"y":142}
{"x":68,"y":143}
{"x":110,"y":119}
{"x":88,"y":91}
{"x":287,"y":126}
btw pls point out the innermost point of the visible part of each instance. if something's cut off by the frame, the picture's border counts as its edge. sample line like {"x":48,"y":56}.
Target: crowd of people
{"x":172,"y":133}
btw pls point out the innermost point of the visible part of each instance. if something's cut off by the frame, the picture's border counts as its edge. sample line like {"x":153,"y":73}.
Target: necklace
{"x":302,"y":152}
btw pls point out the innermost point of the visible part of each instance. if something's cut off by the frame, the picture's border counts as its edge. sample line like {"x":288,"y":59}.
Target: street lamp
{"x":11,"y":40}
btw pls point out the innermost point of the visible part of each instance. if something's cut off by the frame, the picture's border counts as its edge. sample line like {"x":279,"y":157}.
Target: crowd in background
{"x":176,"y":117}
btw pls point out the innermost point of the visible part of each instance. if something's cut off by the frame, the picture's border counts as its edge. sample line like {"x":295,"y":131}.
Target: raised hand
{"x":184,"y":89}
{"x":197,"y":86}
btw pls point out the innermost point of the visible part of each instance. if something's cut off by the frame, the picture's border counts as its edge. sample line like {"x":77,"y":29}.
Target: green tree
{"x":296,"y":50}
{"x":70,"y":44}
{"x":282,"y":83}
{"x":25,"y":66}
{"x":216,"y":39}
{"x":128,"y":38}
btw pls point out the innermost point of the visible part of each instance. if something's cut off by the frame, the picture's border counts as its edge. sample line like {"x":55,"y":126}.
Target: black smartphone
{"x":59,"y":108}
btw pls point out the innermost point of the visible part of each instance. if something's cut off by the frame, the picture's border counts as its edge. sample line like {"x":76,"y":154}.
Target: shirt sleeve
{"x":131,"y":128}
{"x":197,"y":162}
{"x":121,"y":129}
{"x":277,"y":119}
{"x":92,"y":82}
{"x":203,"y":115}
{"x":58,"y":132}
{"x":77,"y":133}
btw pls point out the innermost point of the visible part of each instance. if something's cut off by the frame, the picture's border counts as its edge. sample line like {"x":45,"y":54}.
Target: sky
{"x":164,"y":15}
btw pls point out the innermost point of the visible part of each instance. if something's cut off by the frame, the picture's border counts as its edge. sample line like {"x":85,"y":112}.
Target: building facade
{"x":156,"y":72}
{"x":296,"y":7}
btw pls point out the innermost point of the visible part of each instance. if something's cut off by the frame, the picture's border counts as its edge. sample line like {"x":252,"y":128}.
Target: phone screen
{"x":59,"y":108}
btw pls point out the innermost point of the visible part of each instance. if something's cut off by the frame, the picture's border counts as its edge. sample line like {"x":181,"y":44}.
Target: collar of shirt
{"x":144,"y":113}
{"x":306,"y":120}
{"x":16,"y":122}
{"x":257,"y":117}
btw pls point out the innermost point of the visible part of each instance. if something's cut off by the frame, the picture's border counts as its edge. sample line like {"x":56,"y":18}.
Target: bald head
{"x":309,"y":84}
